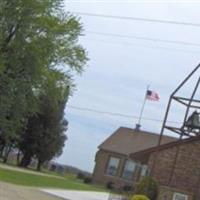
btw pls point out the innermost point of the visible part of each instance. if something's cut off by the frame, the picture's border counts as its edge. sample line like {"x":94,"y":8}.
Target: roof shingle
{"x":126,"y":141}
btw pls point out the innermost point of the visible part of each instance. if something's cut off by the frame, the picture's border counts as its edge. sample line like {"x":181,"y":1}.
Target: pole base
{"x":137,"y":127}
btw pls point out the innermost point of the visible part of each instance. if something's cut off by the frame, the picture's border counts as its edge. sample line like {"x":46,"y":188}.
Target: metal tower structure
{"x":190,"y":103}
{"x":184,"y":129}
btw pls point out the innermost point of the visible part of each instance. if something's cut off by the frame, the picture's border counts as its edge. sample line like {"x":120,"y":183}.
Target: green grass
{"x":32,"y":180}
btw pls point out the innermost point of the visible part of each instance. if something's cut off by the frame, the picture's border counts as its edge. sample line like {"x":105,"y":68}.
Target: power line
{"x":117,"y":114}
{"x":145,"y":46}
{"x":144,"y":38}
{"x":138,"y":19}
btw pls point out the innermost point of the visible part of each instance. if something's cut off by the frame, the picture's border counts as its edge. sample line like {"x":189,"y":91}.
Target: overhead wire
{"x":138,"y":19}
{"x":141,"y":37}
{"x":145,"y":46}
{"x":117,"y":114}
{"x":144,"y":38}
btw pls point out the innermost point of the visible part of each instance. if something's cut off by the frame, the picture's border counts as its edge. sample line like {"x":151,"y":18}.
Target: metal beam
{"x":186,"y":79}
{"x":190,"y":101}
{"x":186,"y":99}
{"x":178,"y":100}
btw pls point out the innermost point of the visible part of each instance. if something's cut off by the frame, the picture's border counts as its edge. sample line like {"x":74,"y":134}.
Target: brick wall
{"x":186,"y":173}
{"x":167,"y":193}
{"x":99,"y":175}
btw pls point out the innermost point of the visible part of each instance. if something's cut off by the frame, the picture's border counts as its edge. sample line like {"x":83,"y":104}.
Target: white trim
{"x":180,"y":196}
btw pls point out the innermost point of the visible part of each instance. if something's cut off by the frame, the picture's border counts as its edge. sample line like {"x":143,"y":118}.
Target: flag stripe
{"x":152,"y":95}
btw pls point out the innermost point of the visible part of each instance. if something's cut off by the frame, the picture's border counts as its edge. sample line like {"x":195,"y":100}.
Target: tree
{"x":35,"y":37}
{"x":44,"y":136}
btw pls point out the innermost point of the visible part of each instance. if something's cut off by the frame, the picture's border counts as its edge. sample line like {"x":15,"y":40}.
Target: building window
{"x":129,"y":169}
{"x":144,"y":171}
{"x":179,"y":196}
{"x":112,"y":166}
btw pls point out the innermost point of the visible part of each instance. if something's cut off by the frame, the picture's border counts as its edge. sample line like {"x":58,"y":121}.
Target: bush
{"x":110,"y":185}
{"x":140,"y":197}
{"x":147,"y":186}
{"x":88,"y":180}
{"x":81,"y":176}
{"x":127,"y":188}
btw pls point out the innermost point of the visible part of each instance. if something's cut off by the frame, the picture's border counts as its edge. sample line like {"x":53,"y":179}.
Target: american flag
{"x":152,"y":95}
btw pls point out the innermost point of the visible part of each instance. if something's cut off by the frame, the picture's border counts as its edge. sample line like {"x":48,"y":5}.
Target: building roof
{"x":145,"y":153}
{"x":126,"y":141}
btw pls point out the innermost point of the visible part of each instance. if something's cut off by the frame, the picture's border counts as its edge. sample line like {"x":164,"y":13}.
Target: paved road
{"x":13,"y":192}
{"x":77,"y":195}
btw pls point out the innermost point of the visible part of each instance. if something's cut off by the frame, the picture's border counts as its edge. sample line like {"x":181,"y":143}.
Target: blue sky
{"x":120,"y":69}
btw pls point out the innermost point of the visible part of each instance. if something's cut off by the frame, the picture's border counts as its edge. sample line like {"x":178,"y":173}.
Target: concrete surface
{"x":77,"y":195}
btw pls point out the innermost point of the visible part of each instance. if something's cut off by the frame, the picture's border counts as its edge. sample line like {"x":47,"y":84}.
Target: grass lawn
{"x":32,"y":180}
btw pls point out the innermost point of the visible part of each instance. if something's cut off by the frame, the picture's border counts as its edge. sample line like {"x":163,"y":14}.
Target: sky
{"x":120,"y":69}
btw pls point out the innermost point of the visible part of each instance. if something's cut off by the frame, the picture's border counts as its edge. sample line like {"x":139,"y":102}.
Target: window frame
{"x":181,"y":195}
{"x":144,"y":171}
{"x":133,"y":172}
{"x":107,"y":165}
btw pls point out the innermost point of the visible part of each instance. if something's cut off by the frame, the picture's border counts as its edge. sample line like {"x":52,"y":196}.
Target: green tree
{"x":44,"y":136}
{"x":35,"y":37}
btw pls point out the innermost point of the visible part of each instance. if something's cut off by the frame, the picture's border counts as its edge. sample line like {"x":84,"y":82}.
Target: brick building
{"x":113,"y":163}
{"x":176,"y":167}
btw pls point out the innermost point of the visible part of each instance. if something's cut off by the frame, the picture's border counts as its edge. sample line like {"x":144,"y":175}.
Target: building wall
{"x":167,"y":193}
{"x":99,"y":174}
{"x":178,"y":167}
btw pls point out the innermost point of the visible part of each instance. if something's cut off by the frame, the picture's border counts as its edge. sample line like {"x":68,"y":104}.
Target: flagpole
{"x":138,"y":125}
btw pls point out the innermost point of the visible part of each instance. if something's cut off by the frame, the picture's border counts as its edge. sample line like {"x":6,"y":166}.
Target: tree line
{"x":39,"y":53}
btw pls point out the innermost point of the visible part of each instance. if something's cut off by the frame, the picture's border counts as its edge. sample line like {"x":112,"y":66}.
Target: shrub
{"x":147,"y":186}
{"x":110,"y":185}
{"x":127,"y":188}
{"x":87,"y":180}
{"x":140,"y":197}
{"x":81,"y":176}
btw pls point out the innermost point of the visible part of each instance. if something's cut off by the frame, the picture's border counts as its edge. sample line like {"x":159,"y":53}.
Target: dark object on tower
{"x":191,"y":124}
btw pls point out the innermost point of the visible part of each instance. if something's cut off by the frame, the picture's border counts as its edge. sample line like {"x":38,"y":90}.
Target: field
{"x":24,"y":178}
